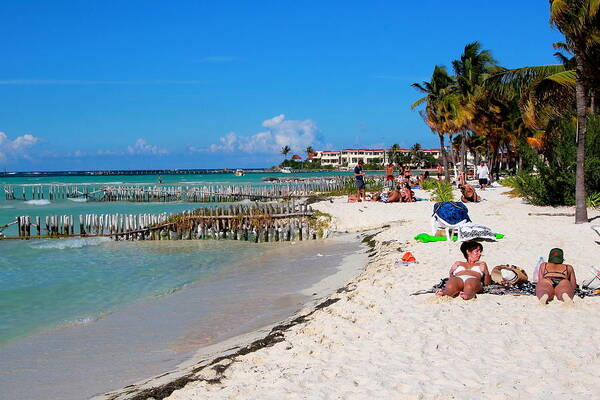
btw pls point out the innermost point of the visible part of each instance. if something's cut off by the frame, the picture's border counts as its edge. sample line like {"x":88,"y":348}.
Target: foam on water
{"x":70,"y":243}
{"x":42,"y":202}
{"x":78,"y":200}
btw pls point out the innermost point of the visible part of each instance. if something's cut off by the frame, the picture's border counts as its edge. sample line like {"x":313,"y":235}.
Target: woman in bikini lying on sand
{"x":469,"y":195}
{"x":555,"y":279}
{"x":466,"y":277}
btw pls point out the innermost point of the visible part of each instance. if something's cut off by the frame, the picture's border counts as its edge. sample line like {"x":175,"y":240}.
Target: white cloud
{"x":17,"y":147}
{"x":142,"y":147}
{"x":76,"y":154}
{"x":281,"y":132}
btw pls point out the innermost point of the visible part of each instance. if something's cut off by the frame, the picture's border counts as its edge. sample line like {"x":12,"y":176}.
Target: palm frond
{"x":512,"y":81}
{"x":564,"y":78}
{"x":418,"y":102}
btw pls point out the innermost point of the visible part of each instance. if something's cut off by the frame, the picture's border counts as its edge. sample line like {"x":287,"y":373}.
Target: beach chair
{"x":449,"y":216}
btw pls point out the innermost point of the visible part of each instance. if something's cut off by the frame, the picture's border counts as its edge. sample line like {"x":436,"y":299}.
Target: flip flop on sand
{"x":596,"y":228}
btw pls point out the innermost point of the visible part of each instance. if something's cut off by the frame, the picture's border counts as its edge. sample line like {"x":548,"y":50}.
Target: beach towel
{"x":452,"y":212}
{"x":470,"y":231}
{"x":426,"y":238}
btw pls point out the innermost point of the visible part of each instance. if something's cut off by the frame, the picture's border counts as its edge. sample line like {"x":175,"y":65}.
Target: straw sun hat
{"x":508,"y":275}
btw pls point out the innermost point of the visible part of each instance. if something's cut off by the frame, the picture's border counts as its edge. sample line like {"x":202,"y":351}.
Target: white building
{"x":349,"y":157}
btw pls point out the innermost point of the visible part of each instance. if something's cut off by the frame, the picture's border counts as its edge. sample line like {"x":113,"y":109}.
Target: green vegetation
{"x":535,"y":118}
{"x":439,"y":190}
{"x":319,"y":221}
{"x":350,"y":188}
{"x":554,"y":183}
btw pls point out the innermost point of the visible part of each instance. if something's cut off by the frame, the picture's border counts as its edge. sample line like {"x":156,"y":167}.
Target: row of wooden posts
{"x":165,"y":193}
{"x":256,"y":222}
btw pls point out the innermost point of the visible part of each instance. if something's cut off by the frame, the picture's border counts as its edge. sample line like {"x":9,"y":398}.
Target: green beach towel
{"x":425,"y":238}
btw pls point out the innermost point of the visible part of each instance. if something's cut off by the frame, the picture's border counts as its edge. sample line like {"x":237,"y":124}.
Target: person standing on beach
{"x":484,"y":175}
{"x":389,"y":175}
{"x":360,"y":181}
{"x":440,"y":171}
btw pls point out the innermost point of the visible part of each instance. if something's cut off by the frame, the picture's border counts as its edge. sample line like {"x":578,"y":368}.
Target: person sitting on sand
{"x":422,"y":178}
{"x":555,"y":279}
{"x":469,"y":195}
{"x":392,"y":196}
{"x":406,"y":194}
{"x":466,"y":277}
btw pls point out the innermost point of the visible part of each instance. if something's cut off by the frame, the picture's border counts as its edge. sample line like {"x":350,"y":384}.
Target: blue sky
{"x":197,"y":84}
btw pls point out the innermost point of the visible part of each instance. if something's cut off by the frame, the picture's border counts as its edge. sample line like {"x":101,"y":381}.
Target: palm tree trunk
{"x":463,"y":153}
{"x":580,"y":96}
{"x":444,"y":157}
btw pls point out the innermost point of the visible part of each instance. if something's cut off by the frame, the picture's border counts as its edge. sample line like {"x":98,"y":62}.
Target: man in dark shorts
{"x":360,"y":181}
{"x":389,"y":175}
{"x":484,"y":175}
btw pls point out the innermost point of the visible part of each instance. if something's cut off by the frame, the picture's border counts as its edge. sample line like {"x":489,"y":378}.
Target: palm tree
{"x":579,"y":21}
{"x":285,"y":150}
{"x":393,"y":153}
{"x":438,"y":93}
{"x":548,"y":91}
{"x":309,"y":151}
{"x":471,"y":70}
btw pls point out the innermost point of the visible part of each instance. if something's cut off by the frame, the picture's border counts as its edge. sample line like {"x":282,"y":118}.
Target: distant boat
{"x":286,"y":170}
{"x":239,"y":172}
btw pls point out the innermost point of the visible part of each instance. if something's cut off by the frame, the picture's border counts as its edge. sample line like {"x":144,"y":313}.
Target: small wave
{"x":6,"y":207}
{"x":41,"y":202}
{"x":62,"y":244}
{"x":78,"y":199}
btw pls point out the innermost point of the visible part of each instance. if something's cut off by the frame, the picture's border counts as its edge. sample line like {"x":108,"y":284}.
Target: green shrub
{"x":441,"y":191}
{"x":428,"y":184}
{"x":554,"y":184}
{"x":593,"y":200}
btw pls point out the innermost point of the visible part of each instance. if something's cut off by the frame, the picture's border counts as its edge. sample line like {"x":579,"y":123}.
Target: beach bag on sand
{"x":452,"y":212}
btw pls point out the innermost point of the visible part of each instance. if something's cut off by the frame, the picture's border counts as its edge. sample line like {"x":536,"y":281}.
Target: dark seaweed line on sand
{"x":276,"y":335}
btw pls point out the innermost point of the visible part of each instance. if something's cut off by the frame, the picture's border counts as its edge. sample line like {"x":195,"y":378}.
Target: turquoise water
{"x":87,"y":315}
{"x":49,"y":284}
{"x":45,"y":284}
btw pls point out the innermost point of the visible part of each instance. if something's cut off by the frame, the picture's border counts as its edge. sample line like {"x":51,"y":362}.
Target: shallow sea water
{"x":113,"y":336}
{"x":84,"y":316}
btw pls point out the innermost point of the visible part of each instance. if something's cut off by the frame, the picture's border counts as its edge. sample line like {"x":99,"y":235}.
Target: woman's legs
{"x":472,"y":287}
{"x":564,"y":288}
{"x":544,"y":291}
{"x":452,"y":288}
{"x":393,"y":196}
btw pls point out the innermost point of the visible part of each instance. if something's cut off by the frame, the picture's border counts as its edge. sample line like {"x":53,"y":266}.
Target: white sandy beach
{"x":378,"y":341}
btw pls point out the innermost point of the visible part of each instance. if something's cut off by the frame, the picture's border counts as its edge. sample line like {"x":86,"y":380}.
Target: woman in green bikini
{"x":555,"y":279}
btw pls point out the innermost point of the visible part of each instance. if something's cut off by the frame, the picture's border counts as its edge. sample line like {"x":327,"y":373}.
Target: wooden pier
{"x":166,"y":193}
{"x":255,"y":223}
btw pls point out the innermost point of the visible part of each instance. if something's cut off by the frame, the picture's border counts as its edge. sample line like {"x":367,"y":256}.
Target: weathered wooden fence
{"x":255,"y":223}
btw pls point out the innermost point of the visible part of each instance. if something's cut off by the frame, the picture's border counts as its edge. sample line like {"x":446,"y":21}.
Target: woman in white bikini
{"x":467,"y":278}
